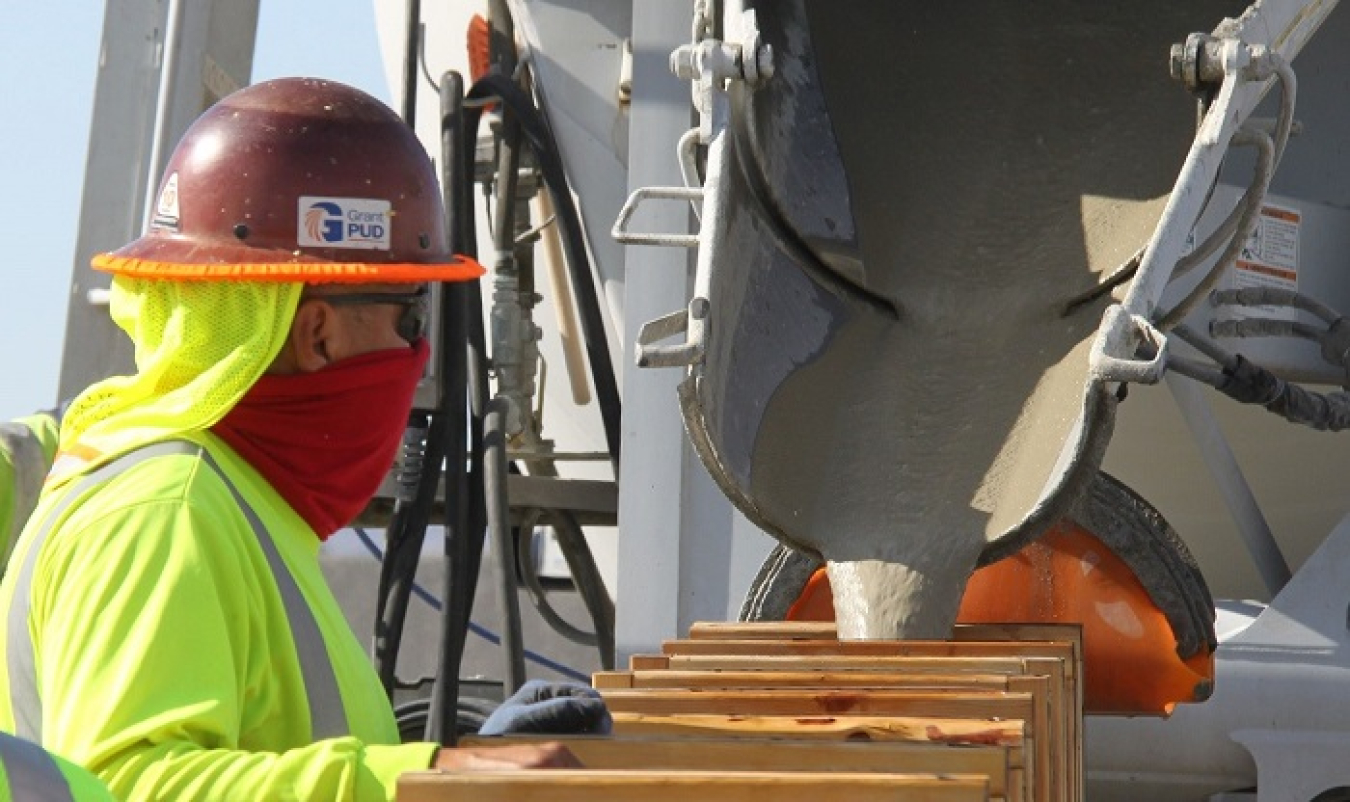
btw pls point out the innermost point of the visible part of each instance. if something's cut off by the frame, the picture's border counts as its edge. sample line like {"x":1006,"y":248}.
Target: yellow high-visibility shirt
{"x":28,"y":771}
{"x":26,"y":448}
{"x":163,"y":650}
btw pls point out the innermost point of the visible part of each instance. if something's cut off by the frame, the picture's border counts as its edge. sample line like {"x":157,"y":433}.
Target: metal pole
{"x":412,"y":49}
{"x":1251,"y":522}
{"x":159,"y":145}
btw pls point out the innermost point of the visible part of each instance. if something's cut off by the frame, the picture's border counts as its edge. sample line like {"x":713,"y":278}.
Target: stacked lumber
{"x":995,"y":713}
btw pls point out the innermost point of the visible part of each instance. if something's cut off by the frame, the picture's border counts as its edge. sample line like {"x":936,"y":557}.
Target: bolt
{"x":683,"y":63}
{"x":764,"y":61}
{"x":1177,"y":62}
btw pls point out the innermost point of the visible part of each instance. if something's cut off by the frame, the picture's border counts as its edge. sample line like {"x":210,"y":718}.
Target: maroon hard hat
{"x":296,"y":179}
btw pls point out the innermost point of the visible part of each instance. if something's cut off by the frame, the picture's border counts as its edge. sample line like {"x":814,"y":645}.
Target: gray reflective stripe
{"x":328,"y":719}
{"x":23,"y":691}
{"x":32,"y":773}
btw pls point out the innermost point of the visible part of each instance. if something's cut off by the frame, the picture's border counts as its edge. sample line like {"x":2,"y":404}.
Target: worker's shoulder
{"x":172,"y":482}
{"x":175,"y":470}
{"x":165,"y":515}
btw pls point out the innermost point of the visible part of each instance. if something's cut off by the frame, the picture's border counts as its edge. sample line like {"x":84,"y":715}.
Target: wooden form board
{"x":598,"y":785}
{"x":819,"y":678}
{"x":1065,"y":693}
{"x":949,"y":702}
{"x":1045,"y":678}
{"x":956,"y":734}
{"x":1047,"y":711}
{"x":817,"y":703}
{"x":728,"y":754}
{"x":1071,"y":633}
{"x":1019,"y":632}
{"x":1057,"y":752}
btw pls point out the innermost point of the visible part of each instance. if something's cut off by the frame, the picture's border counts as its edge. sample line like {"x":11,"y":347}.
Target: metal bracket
{"x":709,"y":64}
{"x":621,"y":233}
{"x":690,"y":322}
{"x":1235,"y":72}
{"x":1113,"y":353}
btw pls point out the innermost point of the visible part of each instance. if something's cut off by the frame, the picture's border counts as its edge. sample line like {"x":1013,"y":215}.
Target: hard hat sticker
{"x":343,"y":223}
{"x":166,"y":208}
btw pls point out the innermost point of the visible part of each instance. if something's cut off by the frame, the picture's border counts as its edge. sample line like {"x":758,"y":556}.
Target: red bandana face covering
{"x":326,"y":439}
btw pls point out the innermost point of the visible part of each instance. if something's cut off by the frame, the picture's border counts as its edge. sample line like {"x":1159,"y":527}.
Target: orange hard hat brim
{"x":462,"y":268}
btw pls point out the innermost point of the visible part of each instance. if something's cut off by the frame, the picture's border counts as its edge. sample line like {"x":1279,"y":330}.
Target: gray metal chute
{"x":904,"y":282}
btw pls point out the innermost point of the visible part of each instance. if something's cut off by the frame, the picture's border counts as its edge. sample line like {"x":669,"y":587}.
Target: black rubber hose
{"x":463,"y":545}
{"x":530,"y":123}
{"x":590,"y":585}
{"x":499,"y":529}
{"x":538,"y":594}
{"x":457,"y":432}
{"x":408,"y":525}
{"x":536,"y":131}
{"x":470,"y":714}
{"x":403,"y":547}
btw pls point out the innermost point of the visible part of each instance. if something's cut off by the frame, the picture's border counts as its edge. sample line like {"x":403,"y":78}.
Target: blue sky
{"x":49,"y":60}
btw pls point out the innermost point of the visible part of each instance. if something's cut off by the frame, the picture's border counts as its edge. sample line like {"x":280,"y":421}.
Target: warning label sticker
{"x":1269,"y":258}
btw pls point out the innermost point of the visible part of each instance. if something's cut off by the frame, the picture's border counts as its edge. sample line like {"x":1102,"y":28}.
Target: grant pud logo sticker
{"x":343,"y":223}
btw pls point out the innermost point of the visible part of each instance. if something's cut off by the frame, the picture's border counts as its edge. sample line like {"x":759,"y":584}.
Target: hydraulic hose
{"x":463,"y":376}
{"x":417,"y":495}
{"x":1265,"y":327}
{"x":1251,"y":209}
{"x":590,"y":585}
{"x":499,"y":528}
{"x":1246,"y":382}
{"x":535,"y":129}
{"x":405,"y":535}
{"x":539,"y":595}
{"x":512,"y":302}
{"x":1275,"y":296}
{"x":530,"y":123}
{"x":1243,"y":218}
{"x":459,"y":127}
{"x":586,"y":575}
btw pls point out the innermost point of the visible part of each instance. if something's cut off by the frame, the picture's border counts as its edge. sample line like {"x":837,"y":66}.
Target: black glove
{"x":550,"y":708}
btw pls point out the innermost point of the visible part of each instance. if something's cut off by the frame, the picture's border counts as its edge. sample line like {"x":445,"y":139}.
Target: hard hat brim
{"x":264,"y":266}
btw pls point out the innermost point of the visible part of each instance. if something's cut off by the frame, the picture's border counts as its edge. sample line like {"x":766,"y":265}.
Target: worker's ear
{"x":311,"y":337}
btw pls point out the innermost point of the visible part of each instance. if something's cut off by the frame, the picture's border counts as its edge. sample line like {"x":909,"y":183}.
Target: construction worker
{"x":28,"y":773}
{"x":27,"y":446}
{"x":165,"y":620}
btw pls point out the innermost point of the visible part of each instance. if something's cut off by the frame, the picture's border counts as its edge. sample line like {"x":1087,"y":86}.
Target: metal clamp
{"x":621,"y":233}
{"x":1118,"y":339}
